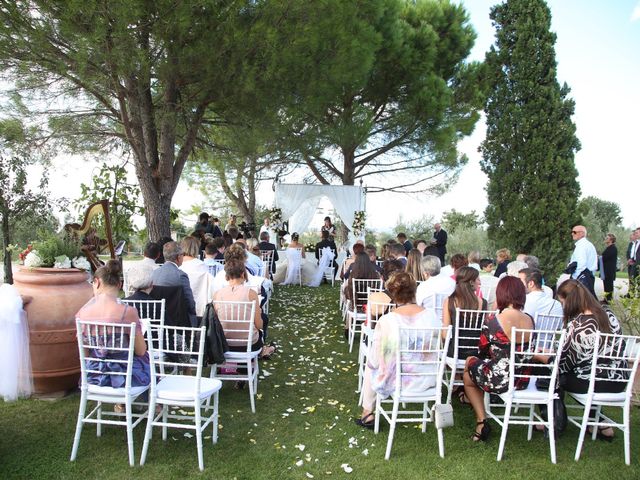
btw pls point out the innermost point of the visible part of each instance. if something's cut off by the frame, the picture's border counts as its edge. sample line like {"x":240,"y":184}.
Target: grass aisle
{"x":302,"y":428}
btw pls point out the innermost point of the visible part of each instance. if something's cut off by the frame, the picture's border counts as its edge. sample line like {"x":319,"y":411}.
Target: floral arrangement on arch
{"x":359,"y":218}
{"x":275,"y":217}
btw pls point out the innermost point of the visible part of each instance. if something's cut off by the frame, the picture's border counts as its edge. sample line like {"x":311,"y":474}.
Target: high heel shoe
{"x":483,"y":434}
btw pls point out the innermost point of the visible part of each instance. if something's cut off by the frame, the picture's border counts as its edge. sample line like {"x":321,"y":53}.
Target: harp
{"x":91,"y":247}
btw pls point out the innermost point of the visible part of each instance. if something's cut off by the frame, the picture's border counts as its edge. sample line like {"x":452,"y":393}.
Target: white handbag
{"x":443,"y":415}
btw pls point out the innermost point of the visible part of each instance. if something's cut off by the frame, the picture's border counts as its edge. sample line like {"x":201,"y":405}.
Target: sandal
{"x":483,"y":434}
{"x":462,"y":397}
{"x":364,"y":423}
{"x":239,"y":385}
{"x":267,"y":351}
{"x":600,"y":435}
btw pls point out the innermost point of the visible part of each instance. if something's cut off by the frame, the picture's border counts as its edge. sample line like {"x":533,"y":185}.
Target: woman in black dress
{"x":609,"y":264}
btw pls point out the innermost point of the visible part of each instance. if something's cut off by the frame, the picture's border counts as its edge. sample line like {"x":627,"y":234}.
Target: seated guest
{"x":489,"y":371}
{"x":170,"y":275}
{"x":151,"y":254}
{"x":211,"y":254}
{"x":261,"y":284}
{"x":217,"y":249}
{"x":421,"y":245}
{"x":104,"y":307}
{"x":237,"y":290}
{"x":513,"y":269}
{"x":435,"y":283}
{"x":397,"y":251}
{"x":380,"y":371}
{"x":371,"y":251}
{"x":200,"y":280}
{"x":486,"y":266}
{"x":327,"y":241}
{"x":473,"y":259}
{"x":346,"y":267}
{"x":362,"y":269}
{"x":456,"y":261}
{"x":389,"y":267}
{"x":226,"y":238}
{"x":254,"y":262}
{"x":265,"y":245}
{"x":463,"y":297}
{"x":402,"y":239}
{"x":161,"y":243}
{"x":537,"y":299}
{"x":503,"y":257}
{"x":140,"y":281}
{"x":414,"y":265}
{"x":585,"y":317}
{"x":234,"y":233}
{"x":488,"y":282}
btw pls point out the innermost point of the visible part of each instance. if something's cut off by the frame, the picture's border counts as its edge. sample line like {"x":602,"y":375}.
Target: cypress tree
{"x":528,"y":152}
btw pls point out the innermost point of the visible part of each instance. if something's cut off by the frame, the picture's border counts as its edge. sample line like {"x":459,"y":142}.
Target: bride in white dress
{"x":295,"y":257}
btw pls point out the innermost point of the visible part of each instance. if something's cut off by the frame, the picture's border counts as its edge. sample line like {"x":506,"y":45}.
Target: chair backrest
{"x":525,"y":343}
{"x":438,"y":305}
{"x":237,"y":319}
{"x":267,"y":260}
{"x":420,"y":358}
{"x":546,"y":322}
{"x":216,"y":267}
{"x":151,"y":314}
{"x":179,"y":350}
{"x":360,"y":292}
{"x":486,"y":289}
{"x":106,"y":353}
{"x":326,"y":252}
{"x":615,"y":353}
{"x":379,"y":263}
{"x":468,"y":327}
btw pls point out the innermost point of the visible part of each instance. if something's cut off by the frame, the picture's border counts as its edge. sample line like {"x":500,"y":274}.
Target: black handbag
{"x":215,"y":341}
{"x":559,"y":409}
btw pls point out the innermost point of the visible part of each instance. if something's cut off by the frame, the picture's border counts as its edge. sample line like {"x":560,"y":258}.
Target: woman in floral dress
{"x":489,"y":371}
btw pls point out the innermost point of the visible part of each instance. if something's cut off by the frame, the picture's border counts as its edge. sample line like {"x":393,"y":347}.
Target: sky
{"x":597,"y":50}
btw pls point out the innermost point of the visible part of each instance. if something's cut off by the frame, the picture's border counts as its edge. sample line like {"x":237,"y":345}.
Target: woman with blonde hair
{"x":414,"y":265}
{"x":503,"y":257}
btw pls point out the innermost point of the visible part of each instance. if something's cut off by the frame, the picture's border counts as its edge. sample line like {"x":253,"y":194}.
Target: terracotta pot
{"x":57,"y":295}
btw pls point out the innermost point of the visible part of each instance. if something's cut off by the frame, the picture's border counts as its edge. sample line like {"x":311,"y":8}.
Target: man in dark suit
{"x":439,"y":241}
{"x":402,"y":238}
{"x":327,"y":242}
{"x":266,"y":245}
{"x":170,"y":275}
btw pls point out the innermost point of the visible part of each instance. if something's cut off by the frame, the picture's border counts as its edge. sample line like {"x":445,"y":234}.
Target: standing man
{"x":402,"y":239}
{"x":632,"y":253}
{"x":439,"y":241}
{"x":584,"y":259}
{"x":609,"y":265}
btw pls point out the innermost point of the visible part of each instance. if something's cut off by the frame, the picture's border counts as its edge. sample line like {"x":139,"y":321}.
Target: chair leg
{"x":452,"y":379}
{"x":627,"y":439}
{"x":214,"y":434}
{"x":198,"y":423}
{"x":165,"y":412}
{"x":76,"y":439}
{"x":505,"y":427}
{"x":552,"y":431}
{"x":99,"y":419}
{"x":392,"y":428}
{"x":149,"y":430}
{"x":129,"y":421}
{"x":530,"y":426}
{"x":583,"y":429}
{"x":376,"y":425}
{"x":441,"y":442}
{"x":425,"y":407}
{"x":250,"y":381}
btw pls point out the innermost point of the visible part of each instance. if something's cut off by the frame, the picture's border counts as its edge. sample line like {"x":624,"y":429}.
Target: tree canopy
{"x":531,"y":140}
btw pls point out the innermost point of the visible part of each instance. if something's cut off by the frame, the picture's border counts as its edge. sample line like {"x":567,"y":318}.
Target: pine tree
{"x":528,"y":152}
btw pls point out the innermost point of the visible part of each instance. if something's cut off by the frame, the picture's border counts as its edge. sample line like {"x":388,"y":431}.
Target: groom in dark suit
{"x":327,"y":242}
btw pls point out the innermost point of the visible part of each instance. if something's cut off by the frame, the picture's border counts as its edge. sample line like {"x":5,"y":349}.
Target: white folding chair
{"x":547,"y":322}
{"x":524,"y":344}
{"x":374,"y":311}
{"x":619,"y":353}
{"x":187,"y":391}
{"x":237,"y":320}
{"x":151,"y":314}
{"x":486,"y":290}
{"x":329,"y":273}
{"x":438,"y":305}
{"x":215,"y":267}
{"x":356,"y":315}
{"x":419,"y":375}
{"x":467,"y":328}
{"x":267,"y":260}
{"x":108,"y":348}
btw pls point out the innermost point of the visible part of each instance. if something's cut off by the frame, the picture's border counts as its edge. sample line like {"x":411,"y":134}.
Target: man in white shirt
{"x":585,"y":258}
{"x":537,"y":300}
{"x":435,"y":283}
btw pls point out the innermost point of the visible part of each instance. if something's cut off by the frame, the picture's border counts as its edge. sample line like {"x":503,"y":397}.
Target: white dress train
{"x":326,"y":259}
{"x":15,"y":362}
{"x":294,"y":261}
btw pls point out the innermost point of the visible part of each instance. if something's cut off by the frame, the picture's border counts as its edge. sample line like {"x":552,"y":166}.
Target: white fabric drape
{"x":326,"y":258}
{"x":15,"y":362}
{"x":346,"y":199}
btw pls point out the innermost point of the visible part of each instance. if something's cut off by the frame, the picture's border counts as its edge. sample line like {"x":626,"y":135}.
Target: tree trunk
{"x":6,"y":240}
{"x":157,"y":211}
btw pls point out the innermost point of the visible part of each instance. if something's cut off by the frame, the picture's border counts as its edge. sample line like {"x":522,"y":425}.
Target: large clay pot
{"x":57,"y":295}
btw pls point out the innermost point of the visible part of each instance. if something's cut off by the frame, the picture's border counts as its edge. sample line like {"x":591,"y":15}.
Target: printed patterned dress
{"x":382,"y":358}
{"x":490,"y":370}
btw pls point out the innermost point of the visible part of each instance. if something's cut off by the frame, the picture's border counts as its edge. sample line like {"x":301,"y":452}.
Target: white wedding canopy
{"x":299,"y":202}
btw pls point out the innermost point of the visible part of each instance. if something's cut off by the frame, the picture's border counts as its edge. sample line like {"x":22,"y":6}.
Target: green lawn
{"x":302,"y":428}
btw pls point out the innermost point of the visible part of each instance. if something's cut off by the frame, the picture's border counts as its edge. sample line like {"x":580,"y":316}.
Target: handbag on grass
{"x":443,"y":415}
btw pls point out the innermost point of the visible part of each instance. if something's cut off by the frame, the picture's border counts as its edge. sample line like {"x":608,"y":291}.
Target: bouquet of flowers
{"x":358,"y":223}
{"x":310,"y":247}
{"x":275,"y":217}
